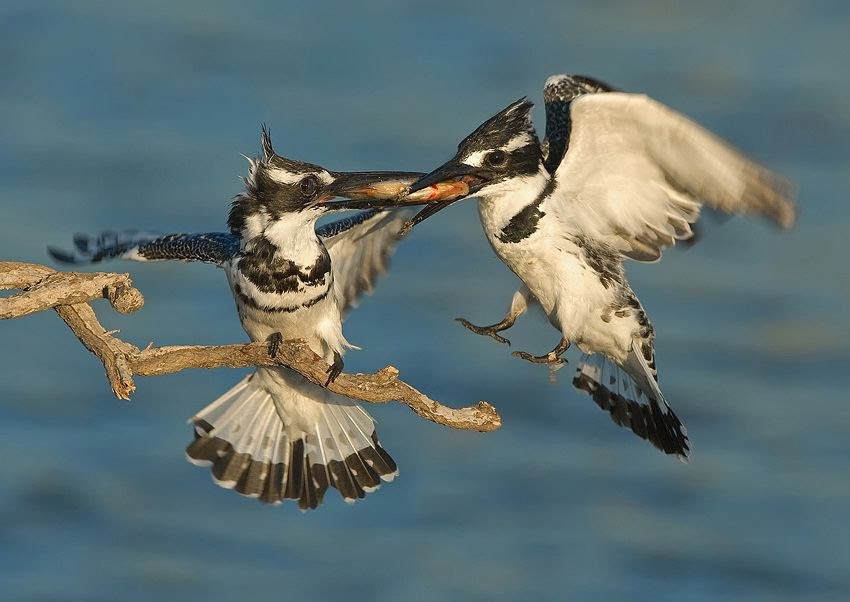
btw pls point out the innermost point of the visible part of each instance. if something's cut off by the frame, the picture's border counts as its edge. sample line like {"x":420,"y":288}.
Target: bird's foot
{"x":491,"y":331}
{"x":549,"y":358}
{"x":553,"y":357}
{"x":335,"y":369}
{"x":274,"y":340}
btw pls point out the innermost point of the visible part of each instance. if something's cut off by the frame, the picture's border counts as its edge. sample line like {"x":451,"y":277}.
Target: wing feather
{"x":210,"y":247}
{"x":636,"y":174}
{"x":360,"y":248}
{"x":558,"y":92}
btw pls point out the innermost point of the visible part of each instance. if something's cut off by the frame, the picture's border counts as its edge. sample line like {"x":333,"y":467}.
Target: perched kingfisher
{"x":276,"y":435}
{"x":618,"y":176}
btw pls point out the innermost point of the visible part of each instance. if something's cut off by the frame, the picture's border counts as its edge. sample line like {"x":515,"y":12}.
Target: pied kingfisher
{"x":618,"y":176}
{"x":276,"y":435}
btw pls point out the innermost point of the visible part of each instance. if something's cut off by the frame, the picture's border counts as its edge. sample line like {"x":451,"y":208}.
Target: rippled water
{"x":135,"y":115}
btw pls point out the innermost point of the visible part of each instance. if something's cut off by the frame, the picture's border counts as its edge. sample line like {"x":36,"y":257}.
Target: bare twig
{"x":69,"y":292}
{"x":45,"y":288}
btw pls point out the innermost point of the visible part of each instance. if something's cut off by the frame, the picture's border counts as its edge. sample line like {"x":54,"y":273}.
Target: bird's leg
{"x":519,"y":304}
{"x":274,"y":340}
{"x":553,"y":357}
{"x":491,"y":331}
{"x":335,"y":369}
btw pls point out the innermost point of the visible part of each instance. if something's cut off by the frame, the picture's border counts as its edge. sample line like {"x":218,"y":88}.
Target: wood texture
{"x":68,"y":293}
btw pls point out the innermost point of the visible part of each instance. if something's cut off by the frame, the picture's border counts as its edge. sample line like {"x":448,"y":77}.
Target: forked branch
{"x":68,"y":293}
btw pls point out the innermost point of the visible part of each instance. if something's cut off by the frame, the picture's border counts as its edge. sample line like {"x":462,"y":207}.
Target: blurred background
{"x":134,"y":115}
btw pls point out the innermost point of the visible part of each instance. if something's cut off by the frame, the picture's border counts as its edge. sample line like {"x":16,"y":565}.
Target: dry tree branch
{"x":68,"y":293}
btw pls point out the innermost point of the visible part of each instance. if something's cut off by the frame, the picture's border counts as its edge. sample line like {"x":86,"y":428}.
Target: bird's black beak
{"x":451,"y":171}
{"x":368,"y":186}
{"x":365,"y":189}
{"x":450,"y":182}
{"x":380,"y":189}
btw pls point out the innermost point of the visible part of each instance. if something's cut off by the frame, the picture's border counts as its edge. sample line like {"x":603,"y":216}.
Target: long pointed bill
{"x":453,"y":175}
{"x":450,"y":171}
{"x":362,"y":187}
{"x":383,"y":189}
{"x":425,"y":214}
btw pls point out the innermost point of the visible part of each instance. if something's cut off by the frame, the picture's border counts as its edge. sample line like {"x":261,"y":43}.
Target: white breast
{"x":319,"y":324}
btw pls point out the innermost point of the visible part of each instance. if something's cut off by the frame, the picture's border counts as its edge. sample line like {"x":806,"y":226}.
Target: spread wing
{"x":212,"y":247}
{"x":636,"y":173}
{"x":360,"y":249}
{"x":558,"y":92}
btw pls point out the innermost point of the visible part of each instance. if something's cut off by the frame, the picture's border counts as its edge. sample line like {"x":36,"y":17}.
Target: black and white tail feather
{"x":631,"y":395}
{"x":327,"y":442}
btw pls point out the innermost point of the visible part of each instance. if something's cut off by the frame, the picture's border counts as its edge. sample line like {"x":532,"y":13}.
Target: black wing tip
{"x":62,"y":256}
{"x":83,"y":254}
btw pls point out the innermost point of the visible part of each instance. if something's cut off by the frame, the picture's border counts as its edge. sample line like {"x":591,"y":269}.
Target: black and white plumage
{"x":210,"y":247}
{"x":618,"y":176}
{"x":276,"y":435}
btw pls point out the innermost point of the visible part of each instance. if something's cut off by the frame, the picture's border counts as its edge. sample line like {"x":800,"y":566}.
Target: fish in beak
{"x":385,"y":190}
{"x":365,"y":186}
{"x":448,"y":183}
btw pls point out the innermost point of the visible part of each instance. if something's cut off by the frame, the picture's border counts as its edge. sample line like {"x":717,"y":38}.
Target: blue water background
{"x":134,"y":114}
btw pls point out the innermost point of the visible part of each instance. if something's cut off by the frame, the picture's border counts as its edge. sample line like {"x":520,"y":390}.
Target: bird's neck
{"x":504,"y":201}
{"x":291,"y":237}
{"x":283,"y":267}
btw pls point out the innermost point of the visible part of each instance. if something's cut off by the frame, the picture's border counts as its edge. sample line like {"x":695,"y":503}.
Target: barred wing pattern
{"x":211,"y":247}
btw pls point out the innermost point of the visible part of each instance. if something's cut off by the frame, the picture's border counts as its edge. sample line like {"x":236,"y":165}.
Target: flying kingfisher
{"x":276,"y":435}
{"x":617,"y":176}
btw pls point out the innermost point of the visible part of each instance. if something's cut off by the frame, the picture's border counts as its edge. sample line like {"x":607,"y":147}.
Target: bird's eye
{"x":496,"y":158}
{"x":309,"y":186}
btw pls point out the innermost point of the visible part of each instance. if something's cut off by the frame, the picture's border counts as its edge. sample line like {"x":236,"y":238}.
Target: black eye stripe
{"x":522,"y":161}
{"x":526,"y":159}
{"x":518,"y":154}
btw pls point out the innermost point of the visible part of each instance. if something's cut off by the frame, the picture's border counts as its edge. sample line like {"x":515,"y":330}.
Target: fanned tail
{"x":273,"y":442}
{"x":634,"y":402}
